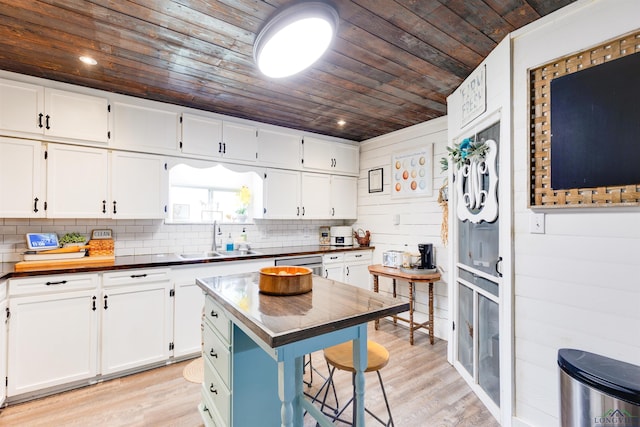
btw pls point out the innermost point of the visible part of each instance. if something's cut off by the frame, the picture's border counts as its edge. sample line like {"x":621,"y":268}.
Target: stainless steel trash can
{"x":596,"y":391}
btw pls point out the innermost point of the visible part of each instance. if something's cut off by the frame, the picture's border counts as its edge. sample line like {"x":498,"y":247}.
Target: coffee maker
{"x":426,"y":256}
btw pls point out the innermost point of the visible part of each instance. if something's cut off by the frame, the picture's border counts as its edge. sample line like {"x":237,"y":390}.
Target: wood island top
{"x":280,"y":320}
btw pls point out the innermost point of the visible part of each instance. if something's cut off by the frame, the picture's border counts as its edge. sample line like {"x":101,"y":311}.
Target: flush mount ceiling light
{"x":295,"y":38}
{"x":88,"y":60}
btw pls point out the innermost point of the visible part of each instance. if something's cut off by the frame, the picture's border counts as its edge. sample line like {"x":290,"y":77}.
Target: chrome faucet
{"x":214,"y":247}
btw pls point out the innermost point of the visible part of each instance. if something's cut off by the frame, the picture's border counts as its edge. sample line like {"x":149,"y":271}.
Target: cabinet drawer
{"x":217,"y":393}
{"x":217,"y":353}
{"x":218,"y":318}
{"x":51,"y":284}
{"x":358,"y":256}
{"x":127,"y":277}
{"x":331,"y":258}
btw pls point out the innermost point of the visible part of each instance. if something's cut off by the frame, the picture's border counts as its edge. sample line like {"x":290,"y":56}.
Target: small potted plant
{"x":72,"y":239}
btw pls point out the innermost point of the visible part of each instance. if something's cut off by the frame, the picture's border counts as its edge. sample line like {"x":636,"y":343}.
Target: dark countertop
{"x":165,"y":260}
{"x":280,"y":320}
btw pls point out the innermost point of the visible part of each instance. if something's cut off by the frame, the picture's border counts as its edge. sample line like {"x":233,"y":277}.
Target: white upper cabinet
{"x":239,"y":142}
{"x":201,"y":136}
{"x":77,"y":182}
{"x":32,"y":110}
{"x":344,"y":197}
{"x":329,"y":156}
{"x":281,"y":194}
{"x":217,"y":139}
{"x":139,"y":186}
{"x":315,"y":196}
{"x":279,"y":149}
{"x":143,"y":128}
{"x":21,"y":175}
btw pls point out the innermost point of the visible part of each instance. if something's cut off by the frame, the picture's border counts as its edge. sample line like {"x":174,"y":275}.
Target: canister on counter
{"x":325,"y":235}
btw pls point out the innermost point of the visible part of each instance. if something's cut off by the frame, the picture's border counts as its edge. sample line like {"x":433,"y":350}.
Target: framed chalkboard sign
{"x":584,"y":123}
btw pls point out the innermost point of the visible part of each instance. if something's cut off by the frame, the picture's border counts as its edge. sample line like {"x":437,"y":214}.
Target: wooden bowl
{"x":285,"y":280}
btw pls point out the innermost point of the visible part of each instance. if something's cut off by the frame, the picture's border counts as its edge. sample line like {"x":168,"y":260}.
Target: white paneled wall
{"x":143,"y":237}
{"x":420,"y":217}
{"x":577,"y":285}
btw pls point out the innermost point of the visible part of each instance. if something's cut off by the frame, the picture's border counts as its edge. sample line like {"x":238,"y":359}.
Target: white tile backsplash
{"x":143,"y":237}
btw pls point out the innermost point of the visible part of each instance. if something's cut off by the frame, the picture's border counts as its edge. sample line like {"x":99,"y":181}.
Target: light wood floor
{"x":423,"y":390}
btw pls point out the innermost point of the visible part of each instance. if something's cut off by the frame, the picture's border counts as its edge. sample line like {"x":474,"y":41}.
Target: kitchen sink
{"x":218,"y":254}
{"x":200,"y":255}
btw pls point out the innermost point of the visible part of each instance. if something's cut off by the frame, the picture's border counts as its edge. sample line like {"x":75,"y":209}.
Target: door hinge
{"x":109,"y":108}
{"x":181,"y":120}
{"x":453,"y":326}
{"x":6,"y":381}
{"x":165,"y":208}
{"x":172,"y":292}
{"x":45,"y":206}
{"x":46,"y":154}
{"x":108,"y":134}
{"x":181,"y":145}
{"x":265,"y":175}
{"x":166,"y":165}
{"x":8,"y":314}
{"x":170,"y":346}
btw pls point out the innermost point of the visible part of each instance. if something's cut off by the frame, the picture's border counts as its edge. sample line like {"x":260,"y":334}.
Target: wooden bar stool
{"x":341,"y":357}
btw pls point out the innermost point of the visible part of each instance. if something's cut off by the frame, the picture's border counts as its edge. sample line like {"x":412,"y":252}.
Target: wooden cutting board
{"x":90,"y":261}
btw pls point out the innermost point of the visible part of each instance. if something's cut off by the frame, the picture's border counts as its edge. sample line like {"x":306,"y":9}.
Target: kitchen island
{"x":254,"y":346}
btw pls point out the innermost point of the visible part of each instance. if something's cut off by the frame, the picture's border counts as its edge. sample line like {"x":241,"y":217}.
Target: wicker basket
{"x":101,"y":247}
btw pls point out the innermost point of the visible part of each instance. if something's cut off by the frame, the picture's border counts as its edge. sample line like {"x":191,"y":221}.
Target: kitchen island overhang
{"x":285,"y":328}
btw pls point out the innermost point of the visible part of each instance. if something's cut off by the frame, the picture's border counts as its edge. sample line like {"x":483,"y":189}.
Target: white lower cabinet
{"x":4,"y":325}
{"x":216,"y":352}
{"x":350,"y":267}
{"x":53,"y":331}
{"x":137,"y":320}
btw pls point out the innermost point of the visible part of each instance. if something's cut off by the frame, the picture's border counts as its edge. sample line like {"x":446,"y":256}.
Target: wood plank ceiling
{"x":392,"y":65}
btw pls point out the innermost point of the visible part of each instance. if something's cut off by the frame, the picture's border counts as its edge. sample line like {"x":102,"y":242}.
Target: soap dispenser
{"x":229,"y":243}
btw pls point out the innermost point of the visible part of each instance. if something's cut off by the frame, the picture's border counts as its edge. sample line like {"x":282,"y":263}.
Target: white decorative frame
{"x":476,"y":203}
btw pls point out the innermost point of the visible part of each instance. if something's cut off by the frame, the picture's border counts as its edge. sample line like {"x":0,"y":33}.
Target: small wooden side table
{"x":394,"y":273}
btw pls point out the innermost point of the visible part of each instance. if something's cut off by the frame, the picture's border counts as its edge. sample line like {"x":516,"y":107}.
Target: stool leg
{"x":386,"y":401}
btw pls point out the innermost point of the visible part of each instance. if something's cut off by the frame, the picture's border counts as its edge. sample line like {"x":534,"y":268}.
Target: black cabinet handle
{"x":347,"y":270}
{"x":333,"y":211}
{"x":35,"y":204}
{"x":93,"y":303}
{"x":213,"y":354}
{"x":212,"y":389}
{"x":62,"y":282}
{"x":214,"y":314}
{"x":219,"y":147}
{"x":137,"y":276}
{"x":298,"y":211}
{"x":114,"y":207}
{"x":40,"y":120}
{"x":224,"y":148}
{"x":303,"y":211}
{"x":47,"y":117}
{"x":104,"y":206}
{"x":105,"y":302}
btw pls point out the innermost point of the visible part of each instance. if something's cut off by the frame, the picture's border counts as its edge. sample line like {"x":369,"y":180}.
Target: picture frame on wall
{"x":411,"y":173}
{"x":375,"y":180}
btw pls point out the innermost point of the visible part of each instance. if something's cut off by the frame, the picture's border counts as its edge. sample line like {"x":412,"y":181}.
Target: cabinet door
{"x":53,"y":340}
{"x":346,"y":159}
{"x":279,"y":149}
{"x":240,"y":142}
{"x":77,"y":182}
{"x":139,"y":186}
{"x":3,"y":348}
{"x":76,"y":116}
{"x":315,"y":196}
{"x":136,"y":325}
{"x":145,"y":129}
{"x":356,"y":269}
{"x":21,"y":108}
{"x":21,"y":194}
{"x":281,"y":194}
{"x":333,"y":266}
{"x":317,"y":154}
{"x":344,"y":197}
{"x":187,"y":318}
{"x":201,"y":136}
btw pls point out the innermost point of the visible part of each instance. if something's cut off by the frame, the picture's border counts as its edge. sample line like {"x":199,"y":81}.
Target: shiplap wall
{"x":420,"y":217}
{"x":577,"y":285}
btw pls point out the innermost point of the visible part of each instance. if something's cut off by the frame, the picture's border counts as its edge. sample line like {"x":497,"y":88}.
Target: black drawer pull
{"x":212,"y":389}
{"x":62,"y":282}
{"x":35,"y":205}
{"x":213,"y":354}
{"x":138,"y":276}
{"x":214,"y":314}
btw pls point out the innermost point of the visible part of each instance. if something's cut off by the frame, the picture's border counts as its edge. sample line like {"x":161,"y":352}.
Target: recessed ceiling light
{"x":341,"y":122}
{"x":295,"y":38}
{"x":88,"y":60}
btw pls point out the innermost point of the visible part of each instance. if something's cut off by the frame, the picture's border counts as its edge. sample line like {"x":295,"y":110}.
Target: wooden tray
{"x":91,"y":261}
